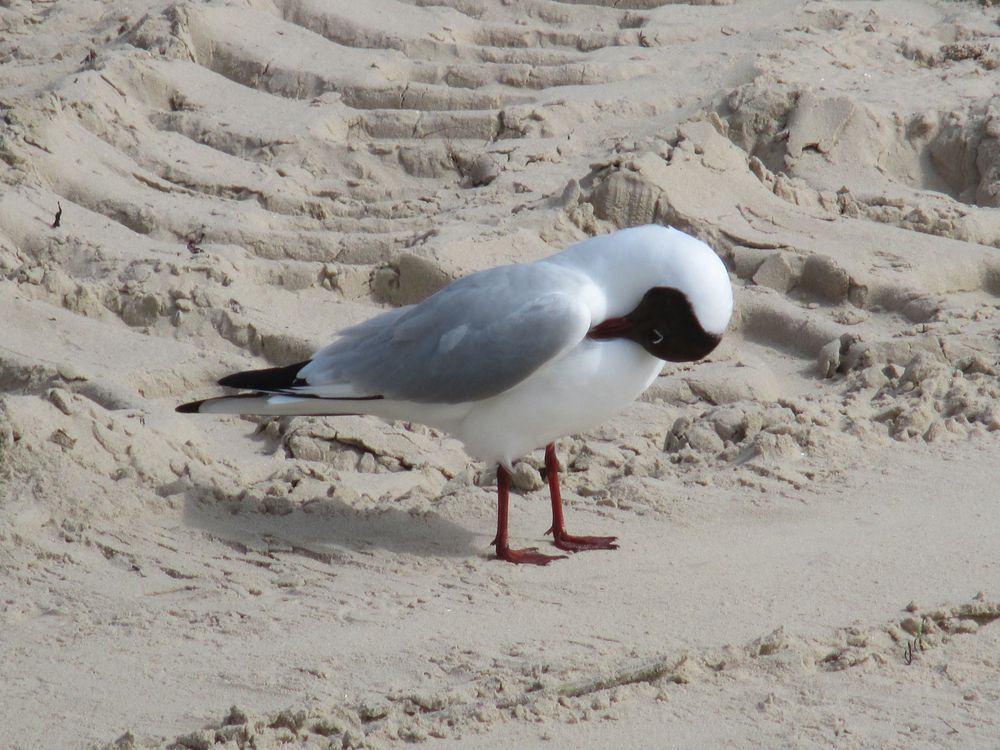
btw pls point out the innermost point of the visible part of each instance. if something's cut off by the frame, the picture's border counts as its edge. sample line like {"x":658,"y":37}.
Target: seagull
{"x":510,"y":359}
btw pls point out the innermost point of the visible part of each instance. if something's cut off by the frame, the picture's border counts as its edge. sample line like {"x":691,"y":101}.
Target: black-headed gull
{"x":509,"y":359}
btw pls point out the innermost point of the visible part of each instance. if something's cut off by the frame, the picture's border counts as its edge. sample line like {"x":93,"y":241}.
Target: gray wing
{"x":473,"y":339}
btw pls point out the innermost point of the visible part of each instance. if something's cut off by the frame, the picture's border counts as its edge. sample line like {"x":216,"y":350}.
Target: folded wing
{"x":473,"y":339}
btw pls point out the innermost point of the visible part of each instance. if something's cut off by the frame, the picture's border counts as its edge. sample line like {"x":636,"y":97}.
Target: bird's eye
{"x":657,"y":337}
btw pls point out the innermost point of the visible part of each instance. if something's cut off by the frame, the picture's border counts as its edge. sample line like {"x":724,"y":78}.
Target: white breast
{"x":593,"y":382}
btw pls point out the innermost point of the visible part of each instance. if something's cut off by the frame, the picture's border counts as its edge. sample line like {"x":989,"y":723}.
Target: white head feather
{"x":630,"y":262}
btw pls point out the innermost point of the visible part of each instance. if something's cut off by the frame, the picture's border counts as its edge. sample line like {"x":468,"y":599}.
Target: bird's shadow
{"x":330,"y":532}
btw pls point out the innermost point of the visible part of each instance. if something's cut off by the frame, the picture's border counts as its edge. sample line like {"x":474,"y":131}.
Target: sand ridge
{"x":235,"y":180}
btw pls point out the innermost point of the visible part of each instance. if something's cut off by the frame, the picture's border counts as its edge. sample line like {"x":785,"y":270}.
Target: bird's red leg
{"x":530,"y":556}
{"x":561,"y":538}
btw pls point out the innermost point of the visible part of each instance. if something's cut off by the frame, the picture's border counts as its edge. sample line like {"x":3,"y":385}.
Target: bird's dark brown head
{"x":665,"y":325}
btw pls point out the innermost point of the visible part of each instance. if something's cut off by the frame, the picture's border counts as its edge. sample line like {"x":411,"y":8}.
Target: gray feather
{"x":473,"y":339}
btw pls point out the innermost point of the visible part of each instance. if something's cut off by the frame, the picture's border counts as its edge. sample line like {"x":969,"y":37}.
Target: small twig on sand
{"x":58,"y":220}
{"x":953,"y":730}
{"x":114,"y":86}
{"x":36,"y":144}
{"x":647,"y":672}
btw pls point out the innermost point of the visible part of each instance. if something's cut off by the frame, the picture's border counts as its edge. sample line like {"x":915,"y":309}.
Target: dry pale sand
{"x":809,"y":523}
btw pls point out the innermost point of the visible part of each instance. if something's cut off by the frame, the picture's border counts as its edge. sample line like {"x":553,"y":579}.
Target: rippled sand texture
{"x":810,"y":553}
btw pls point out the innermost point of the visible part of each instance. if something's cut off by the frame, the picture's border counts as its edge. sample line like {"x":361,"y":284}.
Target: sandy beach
{"x":808,"y":519}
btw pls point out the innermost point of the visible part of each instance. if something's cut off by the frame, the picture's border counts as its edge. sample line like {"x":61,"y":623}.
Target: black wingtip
{"x":190,"y":408}
{"x":270,"y":379}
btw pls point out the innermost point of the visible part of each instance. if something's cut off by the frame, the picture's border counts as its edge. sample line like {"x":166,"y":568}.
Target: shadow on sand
{"x":330,"y":532}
